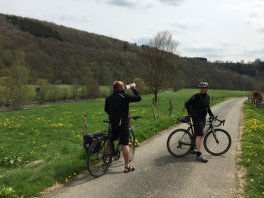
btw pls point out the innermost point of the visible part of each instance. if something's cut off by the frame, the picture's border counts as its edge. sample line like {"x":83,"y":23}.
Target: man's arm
{"x":210,"y":112}
{"x":106,"y":108}
{"x":188,"y":105}
{"x":209,"y":108}
{"x":135,"y":97}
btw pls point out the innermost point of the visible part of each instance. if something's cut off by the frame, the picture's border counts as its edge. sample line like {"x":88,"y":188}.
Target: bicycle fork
{"x":215,"y":137}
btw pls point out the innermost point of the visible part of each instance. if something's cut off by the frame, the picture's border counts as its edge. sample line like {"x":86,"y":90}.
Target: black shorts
{"x":122,"y":133}
{"x":198,"y":125}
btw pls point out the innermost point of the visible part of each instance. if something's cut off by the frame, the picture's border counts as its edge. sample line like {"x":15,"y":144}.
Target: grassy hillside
{"x":58,"y":53}
{"x":42,"y":145}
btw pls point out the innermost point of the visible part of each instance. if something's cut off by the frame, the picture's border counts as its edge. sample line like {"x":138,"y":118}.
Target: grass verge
{"x":252,"y":157}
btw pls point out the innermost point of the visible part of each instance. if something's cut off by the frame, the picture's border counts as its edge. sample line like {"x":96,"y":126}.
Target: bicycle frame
{"x":115,"y":151}
{"x":209,"y":129}
{"x":208,"y":123}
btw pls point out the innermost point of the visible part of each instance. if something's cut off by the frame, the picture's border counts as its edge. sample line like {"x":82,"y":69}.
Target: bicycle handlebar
{"x":214,"y":118}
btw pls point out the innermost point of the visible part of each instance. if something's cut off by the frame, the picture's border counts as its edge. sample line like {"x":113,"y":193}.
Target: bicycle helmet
{"x":203,"y":85}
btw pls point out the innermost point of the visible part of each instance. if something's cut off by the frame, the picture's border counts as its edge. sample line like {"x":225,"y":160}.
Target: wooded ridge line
{"x":65,"y":55}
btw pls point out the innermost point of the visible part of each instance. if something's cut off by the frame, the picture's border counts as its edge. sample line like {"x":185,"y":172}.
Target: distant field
{"x":62,"y":88}
{"x":57,"y":92}
{"x":42,"y":145}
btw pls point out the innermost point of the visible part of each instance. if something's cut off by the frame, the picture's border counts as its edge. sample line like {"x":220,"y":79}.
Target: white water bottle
{"x":129,"y":86}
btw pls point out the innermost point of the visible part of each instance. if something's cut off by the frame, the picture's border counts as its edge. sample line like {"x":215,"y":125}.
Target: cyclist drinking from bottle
{"x":117,"y":108}
{"x":197,"y":107}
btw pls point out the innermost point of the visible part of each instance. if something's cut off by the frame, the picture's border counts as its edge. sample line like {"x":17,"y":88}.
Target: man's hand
{"x":132,"y":85}
{"x":212,"y":117}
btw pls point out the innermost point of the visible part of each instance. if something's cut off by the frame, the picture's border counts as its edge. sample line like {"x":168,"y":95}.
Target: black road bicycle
{"x":216,"y":141}
{"x":100,"y":150}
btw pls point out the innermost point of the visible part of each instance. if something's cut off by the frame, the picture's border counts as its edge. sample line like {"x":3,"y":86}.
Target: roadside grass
{"x":43,"y":145}
{"x":252,"y":157}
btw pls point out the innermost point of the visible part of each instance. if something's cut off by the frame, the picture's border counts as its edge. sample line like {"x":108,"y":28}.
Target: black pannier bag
{"x":87,"y":141}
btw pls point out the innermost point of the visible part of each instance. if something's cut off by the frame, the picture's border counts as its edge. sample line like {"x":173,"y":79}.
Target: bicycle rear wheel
{"x":132,"y":146}
{"x":179,"y":143}
{"x":118,"y":149}
{"x":217,"y":142}
{"x":99,"y":158}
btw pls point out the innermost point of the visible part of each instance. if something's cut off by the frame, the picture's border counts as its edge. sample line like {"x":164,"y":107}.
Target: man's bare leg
{"x":198,"y":141}
{"x":199,"y":156}
{"x":126,"y":153}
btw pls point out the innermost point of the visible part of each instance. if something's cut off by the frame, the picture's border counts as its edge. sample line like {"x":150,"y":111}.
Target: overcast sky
{"x":216,"y":29}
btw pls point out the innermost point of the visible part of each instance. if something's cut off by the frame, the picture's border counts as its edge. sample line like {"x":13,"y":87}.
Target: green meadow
{"x":43,"y":145}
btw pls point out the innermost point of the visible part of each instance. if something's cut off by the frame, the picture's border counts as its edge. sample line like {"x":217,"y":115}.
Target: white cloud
{"x":256,"y":22}
{"x":188,"y":24}
{"x":128,"y":3}
{"x":254,"y":52}
{"x":142,"y":40}
{"x":72,"y":18}
{"x":171,"y":2}
{"x":211,"y":51}
{"x":123,"y":3}
{"x":253,"y":14}
{"x":205,"y":48}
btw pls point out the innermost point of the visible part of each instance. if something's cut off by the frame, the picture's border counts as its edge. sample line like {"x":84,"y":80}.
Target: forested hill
{"x":66,"y":55}
{"x":255,"y":69}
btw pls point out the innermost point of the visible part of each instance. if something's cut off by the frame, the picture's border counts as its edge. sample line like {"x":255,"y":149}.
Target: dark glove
{"x":212,"y":117}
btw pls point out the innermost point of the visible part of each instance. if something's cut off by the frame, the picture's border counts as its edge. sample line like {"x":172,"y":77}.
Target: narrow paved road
{"x":158,"y":174}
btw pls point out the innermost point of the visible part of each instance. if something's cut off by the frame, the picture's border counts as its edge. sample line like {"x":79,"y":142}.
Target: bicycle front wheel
{"x":179,"y":143}
{"x":217,"y":142}
{"x":99,"y":158}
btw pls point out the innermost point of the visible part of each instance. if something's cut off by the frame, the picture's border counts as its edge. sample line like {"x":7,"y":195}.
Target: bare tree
{"x":19,"y":73}
{"x":42,"y":89}
{"x":92,"y":89}
{"x":157,"y":56}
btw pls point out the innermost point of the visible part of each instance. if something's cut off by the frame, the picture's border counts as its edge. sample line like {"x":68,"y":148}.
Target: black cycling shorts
{"x":122,"y":133}
{"x":198,"y":125}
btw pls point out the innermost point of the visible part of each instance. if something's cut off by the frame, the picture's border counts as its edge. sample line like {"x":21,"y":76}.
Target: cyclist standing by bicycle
{"x":117,"y":108}
{"x":197,"y":107}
